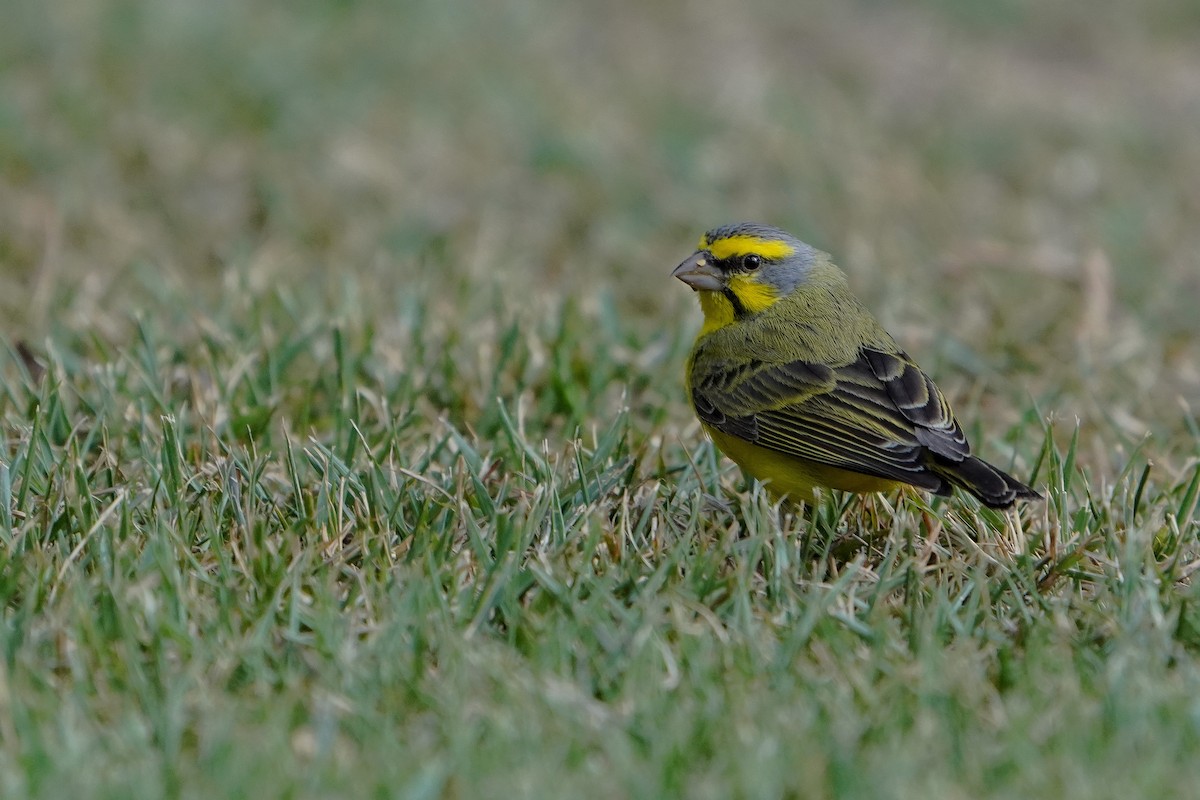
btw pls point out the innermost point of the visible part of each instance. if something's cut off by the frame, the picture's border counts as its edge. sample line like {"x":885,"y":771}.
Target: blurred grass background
{"x":1003,"y":181}
{"x":231,"y":226}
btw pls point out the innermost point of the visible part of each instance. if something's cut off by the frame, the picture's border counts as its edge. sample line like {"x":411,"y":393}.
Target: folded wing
{"x":880,"y":415}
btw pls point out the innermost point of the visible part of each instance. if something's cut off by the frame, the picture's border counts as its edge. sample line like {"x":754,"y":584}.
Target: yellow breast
{"x":788,"y":476}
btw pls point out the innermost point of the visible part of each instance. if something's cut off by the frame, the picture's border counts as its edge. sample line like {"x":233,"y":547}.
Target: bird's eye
{"x":751,"y":262}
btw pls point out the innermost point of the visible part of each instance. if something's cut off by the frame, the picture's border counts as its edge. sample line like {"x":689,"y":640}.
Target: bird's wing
{"x":877,"y":415}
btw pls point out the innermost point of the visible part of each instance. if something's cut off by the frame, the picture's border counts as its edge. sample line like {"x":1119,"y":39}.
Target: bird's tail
{"x":993,"y":487}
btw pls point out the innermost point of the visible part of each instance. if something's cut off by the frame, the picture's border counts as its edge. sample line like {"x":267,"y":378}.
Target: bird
{"x":794,"y":379}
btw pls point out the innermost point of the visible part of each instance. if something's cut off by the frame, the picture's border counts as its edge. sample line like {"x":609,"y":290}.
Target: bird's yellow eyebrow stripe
{"x":741,"y":244}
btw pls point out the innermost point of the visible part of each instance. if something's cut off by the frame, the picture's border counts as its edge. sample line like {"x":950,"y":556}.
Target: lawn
{"x":345,"y":450}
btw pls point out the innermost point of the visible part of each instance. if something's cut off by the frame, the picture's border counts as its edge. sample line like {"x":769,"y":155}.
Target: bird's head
{"x":742,"y":270}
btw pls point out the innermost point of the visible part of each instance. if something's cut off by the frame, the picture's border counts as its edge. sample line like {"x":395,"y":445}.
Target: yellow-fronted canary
{"x":796,"y":381}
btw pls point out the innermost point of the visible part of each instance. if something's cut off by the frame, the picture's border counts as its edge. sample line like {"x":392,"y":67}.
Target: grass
{"x":344,"y":449}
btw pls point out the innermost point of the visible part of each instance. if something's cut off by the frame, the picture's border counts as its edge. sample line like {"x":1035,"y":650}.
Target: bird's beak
{"x":699,"y":272}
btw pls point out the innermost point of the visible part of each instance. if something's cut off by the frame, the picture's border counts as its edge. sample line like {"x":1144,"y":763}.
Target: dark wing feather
{"x":876,"y":416}
{"x":919,"y":401}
